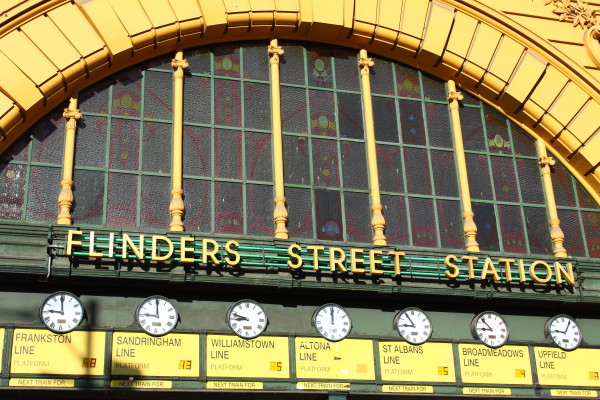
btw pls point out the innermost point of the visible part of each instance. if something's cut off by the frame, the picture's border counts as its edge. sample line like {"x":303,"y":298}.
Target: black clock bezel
{"x":83,"y":312}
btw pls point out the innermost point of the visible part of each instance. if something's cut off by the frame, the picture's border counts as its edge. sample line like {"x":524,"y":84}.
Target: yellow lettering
{"x":315,"y":250}
{"x":212,"y":254}
{"x":139,"y":253}
{"x":507,"y":272}
{"x":236,"y":259}
{"x":470,"y":260}
{"x":448,"y":261}
{"x":488,"y":268}
{"x":374,"y":262}
{"x":93,"y":253}
{"x":354,"y":260}
{"x":397,"y":255}
{"x":71,"y":242}
{"x":185,"y":249}
{"x":337,"y":261}
{"x":155,"y":255}
{"x":560,"y":272}
{"x":292,"y":254}
{"x":535,"y":276}
{"x":521,"y":267}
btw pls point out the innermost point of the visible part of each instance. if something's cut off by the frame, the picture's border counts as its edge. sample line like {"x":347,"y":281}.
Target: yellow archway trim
{"x":49,"y":50}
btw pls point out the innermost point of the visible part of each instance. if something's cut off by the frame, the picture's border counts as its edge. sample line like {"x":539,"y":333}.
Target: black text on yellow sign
{"x":137,"y":354}
{"x":506,"y":365}
{"x":231,"y":356}
{"x":567,"y":368}
{"x":38,"y":351}
{"x":429,"y":362}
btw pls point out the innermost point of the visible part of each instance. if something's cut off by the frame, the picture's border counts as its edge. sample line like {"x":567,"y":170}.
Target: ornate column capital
{"x":546,"y":161}
{"x":274,"y":53}
{"x":364,"y":63}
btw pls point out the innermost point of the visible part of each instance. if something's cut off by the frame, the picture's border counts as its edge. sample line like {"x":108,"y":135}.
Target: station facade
{"x":299,"y":199}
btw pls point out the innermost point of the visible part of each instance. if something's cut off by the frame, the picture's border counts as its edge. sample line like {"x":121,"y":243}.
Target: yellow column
{"x":280,"y":214}
{"x":557,"y":235}
{"x":65,"y":198}
{"x":377,"y":220}
{"x":176,"y":207}
{"x":469,"y":226}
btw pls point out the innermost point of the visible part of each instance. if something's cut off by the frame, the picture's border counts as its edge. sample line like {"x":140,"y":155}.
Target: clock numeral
{"x":185,"y":364}
{"x":52,"y":325}
{"x":89,"y":363}
{"x":76,"y":305}
{"x":47,"y":319}
{"x":169,"y":324}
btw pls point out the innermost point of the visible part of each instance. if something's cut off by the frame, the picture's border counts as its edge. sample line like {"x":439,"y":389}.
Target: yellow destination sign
{"x":406,"y":389}
{"x":573,"y":393}
{"x":579,"y":367}
{"x":231,"y":356}
{"x":138,"y":354}
{"x":508,"y":365}
{"x":317,"y":358}
{"x":38,"y":351}
{"x":37,"y":382}
{"x":234,"y":385}
{"x":139,"y":384}
{"x":1,"y":345}
{"x":484,"y":391}
{"x":429,"y":362}
{"x":323,"y":386}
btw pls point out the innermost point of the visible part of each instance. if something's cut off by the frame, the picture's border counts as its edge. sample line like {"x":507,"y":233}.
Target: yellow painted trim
{"x":377,"y":220}
{"x":107,"y":46}
{"x":557,"y":235}
{"x":177,"y":206}
{"x":469,"y":227}
{"x":65,"y":197}
{"x":280,"y":214}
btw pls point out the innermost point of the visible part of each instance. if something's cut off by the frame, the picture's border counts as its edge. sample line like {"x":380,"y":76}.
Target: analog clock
{"x":247,"y":319}
{"x":156,"y":315}
{"x":490,"y":328}
{"x":61,"y":312}
{"x":413,"y":325}
{"x":332,"y":322}
{"x":564,"y":331}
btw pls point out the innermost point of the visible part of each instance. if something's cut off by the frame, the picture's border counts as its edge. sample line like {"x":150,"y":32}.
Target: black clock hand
{"x":412,"y":324}
{"x":331,"y":309}
{"x":569,"y":324}
{"x":148,"y":315}
{"x":239,"y":317}
{"x":486,"y":324}
{"x":62,"y":303}
{"x":54,"y":311}
{"x":157,"y":308}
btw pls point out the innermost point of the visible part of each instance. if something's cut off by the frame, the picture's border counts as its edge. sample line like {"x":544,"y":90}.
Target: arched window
{"x":123,"y":156}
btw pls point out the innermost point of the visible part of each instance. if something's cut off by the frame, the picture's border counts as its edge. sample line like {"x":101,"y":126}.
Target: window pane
{"x":258,"y":157}
{"x":423,"y":223}
{"x":417,"y":171}
{"x":44,"y":187}
{"x":325,"y":163}
{"x":88,"y":192}
{"x":229,"y":215}
{"x":487,"y":230}
{"x":156,"y":197}
{"x":329,"y":215}
{"x":157,"y":147}
{"x":122,"y":200}
{"x":260,"y":207}
{"x":197,"y":199}
{"x":296,"y":161}
{"x":124,"y":144}
{"x":350,"y":116}
{"x":227,"y":103}
{"x":257,"y":106}
{"x":451,"y":224}
{"x":354,"y":165}
{"x":396,"y":227}
{"x":299,"y":202}
{"x":411,"y":122}
{"x":358,"y":217}
{"x":511,"y":226}
{"x":384,"y":114}
{"x":389,"y":164}
{"x":12,"y":190}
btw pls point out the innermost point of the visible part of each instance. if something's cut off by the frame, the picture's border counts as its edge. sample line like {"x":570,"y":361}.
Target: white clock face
{"x":490,"y":328}
{"x":61,"y":312}
{"x":247,"y":319}
{"x":564,"y":331}
{"x":413,"y":325}
{"x":332,"y":322}
{"x":157,"y":316}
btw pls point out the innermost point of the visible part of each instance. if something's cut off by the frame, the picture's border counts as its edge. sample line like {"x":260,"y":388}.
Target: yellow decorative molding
{"x":177,"y":207}
{"x":65,"y":197}
{"x":482,"y":49}
{"x":469,"y":226}
{"x":280,"y":214}
{"x":591,"y":41}
{"x":377,"y":219}
{"x":577,"y":12}
{"x":556,"y":234}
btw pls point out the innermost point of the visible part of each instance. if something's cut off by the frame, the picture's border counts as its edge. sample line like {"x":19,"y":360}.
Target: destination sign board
{"x":231,"y":356}
{"x":508,"y":365}
{"x":227,"y":385}
{"x":406,"y":389}
{"x":138,"y":354}
{"x":573,"y":393}
{"x":429,"y":362}
{"x":317,"y":358}
{"x":485,"y":391}
{"x":41,"y":382}
{"x":579,"y":367}
{"x":140,"y":384}
{"x":38,"y":351}
{"x":1,"y":347}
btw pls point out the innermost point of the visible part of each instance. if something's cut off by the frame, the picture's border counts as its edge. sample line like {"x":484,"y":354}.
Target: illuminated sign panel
{"x":231,"y":356}
{"x":38,"y":351}
{"x":429,"y":362}
{"x":579,"y":367}
{"x":317,"y":358}
{"x":138,"y":354}
{"x":508,"y":365}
